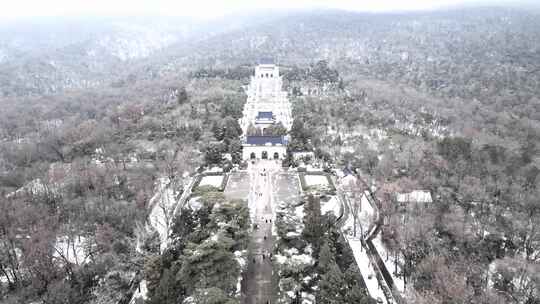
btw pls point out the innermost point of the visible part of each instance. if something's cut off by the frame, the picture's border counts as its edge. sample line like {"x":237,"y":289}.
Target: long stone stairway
{"x":258,"y":280}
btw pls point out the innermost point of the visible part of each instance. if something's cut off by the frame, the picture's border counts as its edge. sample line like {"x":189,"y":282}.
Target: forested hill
{"x":468,"y":53}
{"x":104,"y":120}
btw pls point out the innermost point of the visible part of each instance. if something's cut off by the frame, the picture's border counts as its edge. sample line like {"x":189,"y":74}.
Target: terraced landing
{"x":238,"y":186}
{"x":286,"y":188}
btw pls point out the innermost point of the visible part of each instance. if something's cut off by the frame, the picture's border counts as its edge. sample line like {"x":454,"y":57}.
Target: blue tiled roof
{"x":266,"y":61}
{"x":265,"y":115}
{"x":263,"y":140}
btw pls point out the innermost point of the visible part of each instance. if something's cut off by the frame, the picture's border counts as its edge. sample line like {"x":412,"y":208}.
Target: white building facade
{"x":264,"y":151}
{"x":267,"y":104}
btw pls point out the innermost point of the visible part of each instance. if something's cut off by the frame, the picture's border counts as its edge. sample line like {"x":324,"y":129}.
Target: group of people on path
{"x":265,"y":253}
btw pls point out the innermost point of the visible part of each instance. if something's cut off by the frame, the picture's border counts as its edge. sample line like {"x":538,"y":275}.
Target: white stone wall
{"x":299,"y":155}
{"x":258,"y":150}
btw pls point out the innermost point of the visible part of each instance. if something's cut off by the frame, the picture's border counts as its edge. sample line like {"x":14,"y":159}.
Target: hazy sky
{"x":206,"y":8}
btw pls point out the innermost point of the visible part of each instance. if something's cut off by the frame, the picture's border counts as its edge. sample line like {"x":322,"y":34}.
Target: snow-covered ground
{"x":308,"y":298}
{"x":416,"y":129}
{"x":366,"y":208}
{"x":140,"y":293}
{"x":492,"y":269}
{"x":348,"y":181}
{"x":261,"y":186}
{"x":299,"y":212}
{"x":366,"y":269}
{"x":242,"y":261}
{"x":163,"y":203}
{"x":332,"y":205}
{"x":164,"y":206}
{"x":194,"y":203}
{"x":365,"y":216}
{"x":295,"y":215}
{"x":34,"y":187}
{"x":316,"y":180}
{"x":212,"y":180}
{"x":370,"y":136}
{"x":132,"y":41}
{"x":73,"y":250}
{"x":416,"y":196}
{"x":292,"y":257}
{"x":311,"y":168}
{"x":3,"y":55}
{"x":188,"y":187}
{"x":390,"y":263}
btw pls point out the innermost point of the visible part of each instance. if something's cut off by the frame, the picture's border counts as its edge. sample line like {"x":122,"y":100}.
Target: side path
{"x":366,"y":256}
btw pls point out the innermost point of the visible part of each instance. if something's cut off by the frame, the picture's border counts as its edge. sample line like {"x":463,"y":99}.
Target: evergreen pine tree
{"x":332,"y":286}
{"x":355,"y":293}
{"x":213,"y":296}
{"x":326,"y":257}
{"x":182,"y":96}
{"x":313,"y":228}
{"x":152,"y":272}
{"x":168,"y":291}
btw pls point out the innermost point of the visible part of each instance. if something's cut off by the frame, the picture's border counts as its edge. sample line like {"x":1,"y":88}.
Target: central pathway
{"x":258,"y":287}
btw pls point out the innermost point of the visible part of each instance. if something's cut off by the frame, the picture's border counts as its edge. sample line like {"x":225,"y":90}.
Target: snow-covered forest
{"x":117,"y":139}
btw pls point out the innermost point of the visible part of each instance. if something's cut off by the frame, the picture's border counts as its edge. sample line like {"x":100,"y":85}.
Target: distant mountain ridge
{"x":98,"y":52}
{"x":56,"y":57}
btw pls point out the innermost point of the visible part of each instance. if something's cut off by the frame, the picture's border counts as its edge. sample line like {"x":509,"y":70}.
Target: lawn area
{"x":212,"y":180}
{"x":331,"y":204}
{"x":238,"y":186}
{"x":316,"y":180}
{"x":287,"y":188}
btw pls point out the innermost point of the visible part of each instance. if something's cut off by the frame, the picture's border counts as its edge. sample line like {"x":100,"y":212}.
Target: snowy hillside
{"x":3,"y":55}
{"x":48,"y":56}
{"x":133,"y":41}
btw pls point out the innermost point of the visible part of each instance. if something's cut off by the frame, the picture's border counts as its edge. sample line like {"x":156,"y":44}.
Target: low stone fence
{"x":383,"y":276}
{"x":306,"y":187}
{"x":199,"y":178}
